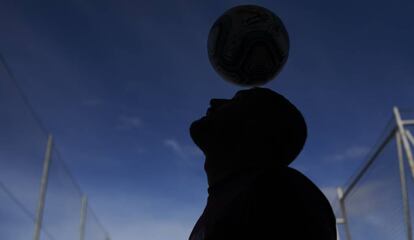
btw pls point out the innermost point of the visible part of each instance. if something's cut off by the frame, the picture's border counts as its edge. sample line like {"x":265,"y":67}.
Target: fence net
{"x":23,"y":141}
{"x":374,"y":205}
{"x":63,"y":202}
{"x":22,"y":147}
{"x":374,"y":202}
{"x":94,"y":229}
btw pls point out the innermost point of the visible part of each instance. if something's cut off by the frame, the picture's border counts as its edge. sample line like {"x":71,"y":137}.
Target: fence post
{"x":340,"y":193}
{"x":43,"y":188}
{"x":337,"y":234}
{"x":405,"y":143}
{"x":83,"y":214}
{"x":404,"y":191}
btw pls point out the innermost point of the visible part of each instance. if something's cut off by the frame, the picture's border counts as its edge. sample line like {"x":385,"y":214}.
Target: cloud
{"x":183,"y":151}
{"x":175,"y":147}
{"x":124,"y":216}
{"x":132,"y":215}
{"x":155,"y":229}
{"x":351,"y":153}
{"x":129,"y":122}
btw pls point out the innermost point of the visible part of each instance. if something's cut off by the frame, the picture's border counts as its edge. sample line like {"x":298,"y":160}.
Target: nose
{"x":217,"y":102}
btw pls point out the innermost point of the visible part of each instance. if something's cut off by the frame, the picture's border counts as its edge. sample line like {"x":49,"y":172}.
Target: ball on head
{"x":248,"y":45}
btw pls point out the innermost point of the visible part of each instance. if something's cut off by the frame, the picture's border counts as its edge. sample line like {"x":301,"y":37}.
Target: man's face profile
{"x":223,"y":118}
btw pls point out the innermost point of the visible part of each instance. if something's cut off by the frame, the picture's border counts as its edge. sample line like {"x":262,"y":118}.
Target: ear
{"x":264,"y":142}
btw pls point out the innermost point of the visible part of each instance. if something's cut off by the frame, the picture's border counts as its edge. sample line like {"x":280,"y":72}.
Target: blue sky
{"x":119,"y":82}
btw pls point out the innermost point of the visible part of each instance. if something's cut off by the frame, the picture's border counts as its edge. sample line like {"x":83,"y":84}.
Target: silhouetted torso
{"x":266,"y":205}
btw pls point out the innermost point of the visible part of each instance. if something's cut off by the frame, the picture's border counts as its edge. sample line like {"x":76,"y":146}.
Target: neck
{"x":223,"y":178}
{"x":233,"y":181}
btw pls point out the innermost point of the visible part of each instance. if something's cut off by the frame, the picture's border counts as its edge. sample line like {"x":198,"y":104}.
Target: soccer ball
{"x":248,"y":45}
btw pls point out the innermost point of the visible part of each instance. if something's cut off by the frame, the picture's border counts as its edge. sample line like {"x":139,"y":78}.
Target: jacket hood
{"x":256,"y":129}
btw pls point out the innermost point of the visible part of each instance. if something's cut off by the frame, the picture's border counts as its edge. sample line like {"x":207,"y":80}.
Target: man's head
{"x":256,"y":128}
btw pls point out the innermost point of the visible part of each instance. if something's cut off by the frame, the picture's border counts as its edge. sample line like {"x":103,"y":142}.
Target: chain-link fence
{"x":375,"y":202}
{"x":39,"y":198}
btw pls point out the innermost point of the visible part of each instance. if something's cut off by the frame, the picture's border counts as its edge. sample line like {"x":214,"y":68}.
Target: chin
{"x":199,"y":132}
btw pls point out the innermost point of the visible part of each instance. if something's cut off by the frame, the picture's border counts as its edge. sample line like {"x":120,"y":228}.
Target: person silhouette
{"x":248,"y":142}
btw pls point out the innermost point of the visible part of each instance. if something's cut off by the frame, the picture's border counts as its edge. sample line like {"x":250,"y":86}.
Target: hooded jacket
{"x":249,"y":141}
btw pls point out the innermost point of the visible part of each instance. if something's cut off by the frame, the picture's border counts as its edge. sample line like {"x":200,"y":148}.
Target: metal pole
{"x":404,"y":190}
{"x":340,"y":193}
{"x":408,"y":122}
{"x":405,"y":143}
{"x":43,"y":188}
{"x":84,"y":208}
{"x":409,"y":136}
{"x":339,"y":221}
{"x":337,"y":234}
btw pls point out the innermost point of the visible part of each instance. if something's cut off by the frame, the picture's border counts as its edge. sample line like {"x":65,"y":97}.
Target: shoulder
{"x":283,"y":181}
{"x":281,"y":198}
